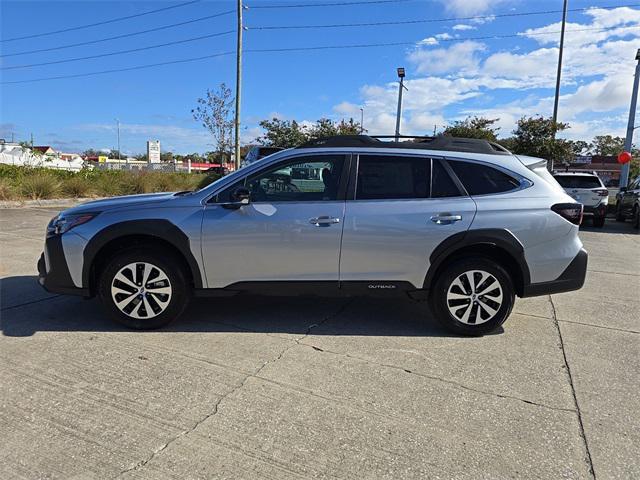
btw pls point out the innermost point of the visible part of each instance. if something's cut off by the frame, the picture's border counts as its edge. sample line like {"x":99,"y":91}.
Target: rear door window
{"x":442,"y":185}
{"x":578,"y":181}
{"x":393,"y":177}
{"x":479,"y":179}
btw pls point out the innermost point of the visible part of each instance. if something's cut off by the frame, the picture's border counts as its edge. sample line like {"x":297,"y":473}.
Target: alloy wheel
{"x":141,"y":290}
{"x":474,"y":297}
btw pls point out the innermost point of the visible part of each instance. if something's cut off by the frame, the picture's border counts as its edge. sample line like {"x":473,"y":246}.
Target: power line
{"x":120,"y":52}
{"x":432,"y":20}
{"x":125,"y":35}
{"x":336,"y":4}
{"x":113,"y":20}
{"x":117,"y":70}
{"x":300,"y":49}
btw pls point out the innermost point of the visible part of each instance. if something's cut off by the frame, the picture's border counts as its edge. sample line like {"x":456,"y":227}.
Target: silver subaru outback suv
{"x":460,"y":223}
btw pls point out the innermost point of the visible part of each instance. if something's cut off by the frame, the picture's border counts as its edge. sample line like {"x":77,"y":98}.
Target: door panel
{"x":290,"y":231}
{"x":392,"y":239}
{"x":272,"y":241}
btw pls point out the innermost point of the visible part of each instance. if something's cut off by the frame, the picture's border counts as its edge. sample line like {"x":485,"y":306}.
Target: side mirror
{"x":240,"y":197}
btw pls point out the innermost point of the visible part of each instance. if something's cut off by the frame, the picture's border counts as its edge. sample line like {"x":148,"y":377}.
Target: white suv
{"x":463,"y":224}
{"x":588,"y":189}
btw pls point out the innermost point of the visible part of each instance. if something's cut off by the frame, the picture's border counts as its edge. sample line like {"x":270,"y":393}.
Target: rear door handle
{"x":323,"y":221}
{"x":445,"y":219}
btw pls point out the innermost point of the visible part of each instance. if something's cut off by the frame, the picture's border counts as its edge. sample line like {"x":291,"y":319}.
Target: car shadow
{"x":610,"y":226}
{"x":242,"y":313}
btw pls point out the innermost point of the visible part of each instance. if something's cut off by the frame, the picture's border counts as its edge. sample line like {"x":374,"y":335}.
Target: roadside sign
{"x":153,"y":151}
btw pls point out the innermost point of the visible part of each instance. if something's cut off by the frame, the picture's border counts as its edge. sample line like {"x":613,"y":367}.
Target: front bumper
{"x":571,"y":279}
{"x":57,"y":278}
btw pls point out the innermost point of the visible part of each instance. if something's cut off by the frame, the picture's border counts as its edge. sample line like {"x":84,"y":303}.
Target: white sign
{"x":153,"y":151}
{"x":583,"y":159}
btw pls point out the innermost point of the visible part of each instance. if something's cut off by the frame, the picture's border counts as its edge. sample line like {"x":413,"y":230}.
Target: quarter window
{"x":481,"y":179}
{"x":391,"y":177}
{"x":303,"y":179}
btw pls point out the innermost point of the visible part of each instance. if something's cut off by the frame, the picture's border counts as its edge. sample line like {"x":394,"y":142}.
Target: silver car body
{"x":368,"y":240}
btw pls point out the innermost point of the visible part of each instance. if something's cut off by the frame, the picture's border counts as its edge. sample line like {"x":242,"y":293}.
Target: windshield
{"x":578,"y":181}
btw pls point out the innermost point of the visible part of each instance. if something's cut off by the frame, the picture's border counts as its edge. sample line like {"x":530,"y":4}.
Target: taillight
{"x":569,"y":211}
{"x":602,"y":192}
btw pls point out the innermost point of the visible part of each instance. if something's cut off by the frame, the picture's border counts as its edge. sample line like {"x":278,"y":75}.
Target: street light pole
{"x":628,"y":139}
{"x":559,"y":74}
{"x":118,"y":128}
{"x":401,"y":75}
{"x":361,"y":121}
{"x":236,"y":148}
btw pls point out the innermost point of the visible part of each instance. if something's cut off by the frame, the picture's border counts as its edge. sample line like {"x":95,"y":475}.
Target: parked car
{"x":219,"y":170}
{"x":258,"y":153}
{"x":462,"y":224}
{"x":588,"y":189}
{"x":628,"y":203}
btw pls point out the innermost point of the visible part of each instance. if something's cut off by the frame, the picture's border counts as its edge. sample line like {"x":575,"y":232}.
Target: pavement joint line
{"x":242,"y":383}
{"x":30,"y":303}
{"x":599,"y":326}
{"x":439,"y":379}
{"x":615,"y":273}
{"x":582,"y":432}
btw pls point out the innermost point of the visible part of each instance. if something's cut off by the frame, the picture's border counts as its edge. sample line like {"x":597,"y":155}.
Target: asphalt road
{"x":320,"y":388}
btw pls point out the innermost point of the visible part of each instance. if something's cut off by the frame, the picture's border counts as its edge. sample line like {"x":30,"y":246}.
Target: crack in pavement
{"x":582,"y":432}
{"x":30,"y":303}
{"x":440,"y":379}
{"x":213,"y":412}
{"x":615,"y":329}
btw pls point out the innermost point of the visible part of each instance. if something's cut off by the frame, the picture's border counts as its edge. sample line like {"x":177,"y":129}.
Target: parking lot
{"x":258,"y":387}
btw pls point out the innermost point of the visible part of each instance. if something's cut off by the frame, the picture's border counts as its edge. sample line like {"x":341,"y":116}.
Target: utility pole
{"x":118,"y":128}
{"x":236,"y":148}
{"x":628,"y":139}
{"x":31,"y":141}
{"x":399,"y":114}
{"x":559,"y":73}
{"x":361,"y":121}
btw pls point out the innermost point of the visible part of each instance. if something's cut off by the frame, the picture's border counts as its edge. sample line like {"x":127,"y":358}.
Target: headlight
{"x":63,"y":223}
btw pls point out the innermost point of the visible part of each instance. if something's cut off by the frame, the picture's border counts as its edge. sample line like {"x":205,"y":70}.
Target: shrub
{"x":40,"y":185}
{"x":7,"y":191}
{"x":135,"y":183}
{"x":208,"y":179}
{"x":77,"y":186}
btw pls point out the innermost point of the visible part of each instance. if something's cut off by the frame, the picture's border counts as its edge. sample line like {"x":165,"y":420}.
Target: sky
{"x":494,"y":58}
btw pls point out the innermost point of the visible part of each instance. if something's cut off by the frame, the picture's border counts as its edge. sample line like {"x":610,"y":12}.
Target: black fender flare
{"x":495,"y":237}
{"x":160,"y":228}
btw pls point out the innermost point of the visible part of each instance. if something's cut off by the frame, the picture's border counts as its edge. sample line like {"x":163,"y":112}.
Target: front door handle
{"x":445,"y":219}
{"x":323,"y":221}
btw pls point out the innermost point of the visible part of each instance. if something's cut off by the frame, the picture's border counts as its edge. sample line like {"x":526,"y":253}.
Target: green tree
{"x":607,"y":145}
{"x":474,"y":127}
{"x":283,"y":133}
{"x":289,"y":133}
{"x":535,"y":136}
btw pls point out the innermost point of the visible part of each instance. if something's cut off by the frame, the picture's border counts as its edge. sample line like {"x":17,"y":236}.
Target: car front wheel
{"x":636,"y":217}
{"x":143,"y":289}
{"x":473,"y":296}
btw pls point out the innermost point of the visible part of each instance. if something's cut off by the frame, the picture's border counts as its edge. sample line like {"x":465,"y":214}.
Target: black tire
{"x":598,"y":222}
{"x":636,"y":217}
{"x":440,"y":305}
{"x":164,"y":262}
{"x":619,"y":214}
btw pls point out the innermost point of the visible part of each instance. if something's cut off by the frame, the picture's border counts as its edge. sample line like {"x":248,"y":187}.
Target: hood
{"x":126,"y":201}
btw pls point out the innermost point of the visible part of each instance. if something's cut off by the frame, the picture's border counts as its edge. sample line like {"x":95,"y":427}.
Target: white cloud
{"x":461,"y":57}
{"x":462,"y":27}
{"x":470,"y":7}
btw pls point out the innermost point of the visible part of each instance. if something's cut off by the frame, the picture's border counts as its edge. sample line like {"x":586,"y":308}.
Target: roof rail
{"x":441,"y":142}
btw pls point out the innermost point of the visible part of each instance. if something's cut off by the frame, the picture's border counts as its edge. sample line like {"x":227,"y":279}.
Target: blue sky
{"x":449,"y":74}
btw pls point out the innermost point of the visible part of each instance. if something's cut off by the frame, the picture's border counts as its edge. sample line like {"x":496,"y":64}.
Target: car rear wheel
{"x":473,"y":296}
{"x":142,"y":289}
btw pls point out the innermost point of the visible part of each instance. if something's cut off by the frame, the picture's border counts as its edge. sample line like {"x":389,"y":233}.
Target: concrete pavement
{"x":320,"y":388}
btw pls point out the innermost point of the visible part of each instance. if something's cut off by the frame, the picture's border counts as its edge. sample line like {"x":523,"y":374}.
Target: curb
{"x":54,"y":203}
